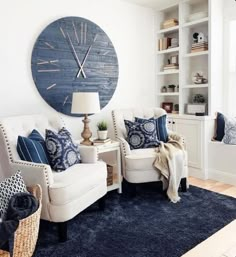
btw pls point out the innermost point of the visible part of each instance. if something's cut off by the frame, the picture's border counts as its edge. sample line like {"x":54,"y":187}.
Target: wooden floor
{"x":215,"y":186}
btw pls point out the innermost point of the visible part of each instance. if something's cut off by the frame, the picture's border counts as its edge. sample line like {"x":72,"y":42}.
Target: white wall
{"x":130,"y":27}
{"x":229,"y":8}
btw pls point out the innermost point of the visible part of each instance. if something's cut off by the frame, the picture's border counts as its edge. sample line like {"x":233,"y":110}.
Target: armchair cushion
{"x":141,"y":135}
{"x":62,"y":151}
{"x":76,"y":182}
{"x":32,"y":148}
{"x":161,"y":129}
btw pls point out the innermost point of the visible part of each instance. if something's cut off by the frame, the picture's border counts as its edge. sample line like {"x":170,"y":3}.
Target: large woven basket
{"x":26,"y":235}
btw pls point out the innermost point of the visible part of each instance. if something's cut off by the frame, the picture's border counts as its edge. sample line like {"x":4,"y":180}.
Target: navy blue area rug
{"x":145,"y":226}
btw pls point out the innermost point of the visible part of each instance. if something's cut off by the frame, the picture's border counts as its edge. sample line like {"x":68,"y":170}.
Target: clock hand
{"x":76,"y":56}
{"x":85,"y":58}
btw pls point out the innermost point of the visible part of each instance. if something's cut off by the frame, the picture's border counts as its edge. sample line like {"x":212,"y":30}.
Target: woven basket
{"x":26,"y":235}
{"x":109,"y":175}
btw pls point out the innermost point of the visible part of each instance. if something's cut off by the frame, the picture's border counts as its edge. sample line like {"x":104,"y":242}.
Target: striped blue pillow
{"x":161,"y":129}
{"x":32,"y":148}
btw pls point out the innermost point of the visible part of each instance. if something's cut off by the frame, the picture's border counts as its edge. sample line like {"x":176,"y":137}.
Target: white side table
{"x":114,"y":146}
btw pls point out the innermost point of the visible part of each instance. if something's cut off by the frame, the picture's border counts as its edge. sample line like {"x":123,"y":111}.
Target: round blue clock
{"x":73,"y":54}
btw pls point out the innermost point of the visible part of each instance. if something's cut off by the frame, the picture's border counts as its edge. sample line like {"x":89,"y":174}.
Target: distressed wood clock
{"x":73,"y":54}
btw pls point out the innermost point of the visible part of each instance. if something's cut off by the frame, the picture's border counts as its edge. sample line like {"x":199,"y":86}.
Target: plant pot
{"x":102,"y":134}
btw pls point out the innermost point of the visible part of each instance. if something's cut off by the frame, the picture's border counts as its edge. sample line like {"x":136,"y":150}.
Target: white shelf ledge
{"x":196,"y":22}
{"x":168,"y":94}
{"x":196,"y":54}
{"x":113,"y":186}
{"x":170,"y":50}
{"x":168,"y":72}
{"x":195,"y":86}
{"x":172,"y":29}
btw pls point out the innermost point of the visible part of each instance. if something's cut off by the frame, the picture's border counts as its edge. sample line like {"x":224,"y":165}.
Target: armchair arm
{"x":177,"y":137}
{"x":34,"y":173}
{"x":89,"y":154}
{"x":125,"y":148}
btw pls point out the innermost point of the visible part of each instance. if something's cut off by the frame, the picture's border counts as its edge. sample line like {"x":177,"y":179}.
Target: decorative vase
{"x":102,"y":134}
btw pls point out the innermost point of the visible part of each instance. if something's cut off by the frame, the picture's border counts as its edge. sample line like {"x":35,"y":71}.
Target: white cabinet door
{"x":191,"y":130}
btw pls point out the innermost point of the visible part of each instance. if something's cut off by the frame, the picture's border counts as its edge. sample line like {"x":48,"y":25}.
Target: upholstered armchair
{"x":137,"y":165}
{"x":65,"y":194}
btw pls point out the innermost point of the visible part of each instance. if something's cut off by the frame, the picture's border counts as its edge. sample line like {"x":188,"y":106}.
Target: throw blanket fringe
{"x":170,"y":162}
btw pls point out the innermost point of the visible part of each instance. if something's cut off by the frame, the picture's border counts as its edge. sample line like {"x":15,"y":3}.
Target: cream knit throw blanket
{"x":170,"y":162}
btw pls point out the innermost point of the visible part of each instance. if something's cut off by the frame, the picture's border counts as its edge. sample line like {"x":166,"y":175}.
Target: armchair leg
{"x":102,"y":203}
{"x":183,"y":184}
{"x":129,"y":188}
{"x":62,"y":231}
{"x":133,"y":191}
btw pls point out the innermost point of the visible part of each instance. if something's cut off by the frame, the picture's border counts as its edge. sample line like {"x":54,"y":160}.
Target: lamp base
{"x":86,"y":142}
{"x":86,"y":134}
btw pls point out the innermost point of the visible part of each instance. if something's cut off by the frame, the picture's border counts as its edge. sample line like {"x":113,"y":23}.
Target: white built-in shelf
{"x":193,"y":1}
{"x":170,"y":50}
{"x":195,"y":86}
{"x":196,"y":54}
{"x":113,"y":186}
{"x":168,"y":72}
{"x":168,"y":94}
{"x":172,"y":29}
{"x":196,"y":22}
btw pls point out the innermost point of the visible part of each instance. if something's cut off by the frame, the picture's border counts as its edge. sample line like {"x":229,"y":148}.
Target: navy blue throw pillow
{"x":141,"y":135}
{"x":62,"y":151}
{"x":161,"y":129}
{"x":32,"y":148}
{"x":220,"y":127}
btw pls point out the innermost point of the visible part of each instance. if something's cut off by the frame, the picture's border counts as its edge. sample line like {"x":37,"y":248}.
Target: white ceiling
{"x":156,"y":4}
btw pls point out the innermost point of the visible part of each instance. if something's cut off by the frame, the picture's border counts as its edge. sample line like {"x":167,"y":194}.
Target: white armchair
{"x":137,"y":165}
{"x":65,"y":194}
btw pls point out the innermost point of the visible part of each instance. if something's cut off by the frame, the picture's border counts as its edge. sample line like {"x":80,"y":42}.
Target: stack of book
{"x":172,"y":66}
{"x":170,"y":23}
{"x":164,"y":43}
{"x":199,"y":47}
{"x":174,"y":43}
{"x":98,"y":141}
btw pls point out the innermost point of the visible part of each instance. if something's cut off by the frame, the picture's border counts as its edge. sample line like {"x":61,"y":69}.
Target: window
{"x":230,"y":67}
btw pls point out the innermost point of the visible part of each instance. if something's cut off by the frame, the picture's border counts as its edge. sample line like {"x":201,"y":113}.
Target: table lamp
{"x":85,"y":103}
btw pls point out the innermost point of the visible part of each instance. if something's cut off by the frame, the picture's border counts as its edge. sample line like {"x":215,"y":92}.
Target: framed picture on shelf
{"x":174,"y":59}
{"x":168,"y":107}
{"x":196,"y":108}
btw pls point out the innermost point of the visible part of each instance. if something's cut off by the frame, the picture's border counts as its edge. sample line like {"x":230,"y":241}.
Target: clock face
{"x":73,"y":54}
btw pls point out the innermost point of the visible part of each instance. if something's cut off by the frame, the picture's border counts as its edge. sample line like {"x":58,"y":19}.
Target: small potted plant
{"x":102,"y":130}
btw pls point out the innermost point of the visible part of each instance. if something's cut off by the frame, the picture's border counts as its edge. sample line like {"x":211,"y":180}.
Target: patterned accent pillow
{"x":230,"y":131}
{"x":62,"y":151}
{"x":8,"y":187}
{"x":141,"y":135}
{"x":220,"y":127}
{"x":32,"y":148}
{"x":161,"y":128}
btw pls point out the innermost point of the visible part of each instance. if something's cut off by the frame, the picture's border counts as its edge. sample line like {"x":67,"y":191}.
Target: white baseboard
{"x":222,"y":176}
{"x":196,"y":173}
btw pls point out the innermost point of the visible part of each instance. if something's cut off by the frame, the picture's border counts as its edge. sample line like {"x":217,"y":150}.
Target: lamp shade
{"x":85,"y":103}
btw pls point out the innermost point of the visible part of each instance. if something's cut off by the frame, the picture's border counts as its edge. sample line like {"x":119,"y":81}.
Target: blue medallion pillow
{"x":32,"y":148}
{"x":161,"y":128}
{"x":62,"y":151}
{"x":220,"y":127}
{"x":141,"y":135}
{"x":230,"y":131}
